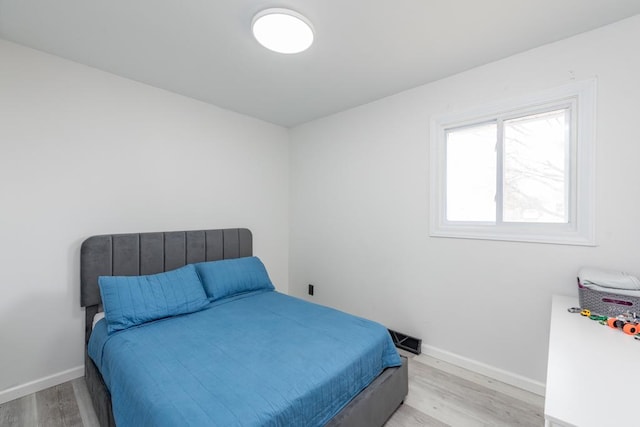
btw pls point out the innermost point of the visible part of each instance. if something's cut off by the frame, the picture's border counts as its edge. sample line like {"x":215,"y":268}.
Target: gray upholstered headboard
{"x":149,"y":253}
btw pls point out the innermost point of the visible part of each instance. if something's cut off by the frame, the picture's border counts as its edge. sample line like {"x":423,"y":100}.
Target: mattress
{"x":258,"y":359}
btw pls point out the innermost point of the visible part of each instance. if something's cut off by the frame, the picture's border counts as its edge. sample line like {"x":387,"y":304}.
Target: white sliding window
{"x":520,"y":170}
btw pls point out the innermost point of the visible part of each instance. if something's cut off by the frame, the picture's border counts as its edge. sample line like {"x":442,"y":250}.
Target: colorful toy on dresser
{"x":629,"y":323}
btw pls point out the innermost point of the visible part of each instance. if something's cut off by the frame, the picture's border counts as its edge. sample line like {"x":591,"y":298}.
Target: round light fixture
{"x":282,"y":30}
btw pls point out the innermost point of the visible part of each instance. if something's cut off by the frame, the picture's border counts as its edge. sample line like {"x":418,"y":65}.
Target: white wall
{"x":359,"y":211}
{"x":83,"y":152}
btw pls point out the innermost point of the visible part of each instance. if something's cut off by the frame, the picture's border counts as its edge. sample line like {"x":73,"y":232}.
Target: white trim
{"x":40,"y":384}
{"x":490,"y":371}
{"x":581,"y":228}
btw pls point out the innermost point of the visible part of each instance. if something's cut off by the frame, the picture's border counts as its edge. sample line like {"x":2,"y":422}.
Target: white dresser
{"x":593,"y":372}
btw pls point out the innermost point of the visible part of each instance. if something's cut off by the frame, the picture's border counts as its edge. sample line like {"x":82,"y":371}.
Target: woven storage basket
{"x":607,"y":303}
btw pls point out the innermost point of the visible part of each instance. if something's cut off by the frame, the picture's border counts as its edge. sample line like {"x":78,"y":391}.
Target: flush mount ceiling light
{"x":282,"y":30}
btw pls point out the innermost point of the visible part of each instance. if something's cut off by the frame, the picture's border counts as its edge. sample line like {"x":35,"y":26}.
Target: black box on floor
{"x":406,"y":342}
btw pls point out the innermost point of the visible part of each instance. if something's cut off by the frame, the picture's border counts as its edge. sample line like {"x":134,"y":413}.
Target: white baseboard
{"x":487,"y":370}
{"x":40,"y":384}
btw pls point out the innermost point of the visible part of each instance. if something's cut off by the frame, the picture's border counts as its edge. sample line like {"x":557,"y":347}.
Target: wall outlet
{"x":311,"y":289}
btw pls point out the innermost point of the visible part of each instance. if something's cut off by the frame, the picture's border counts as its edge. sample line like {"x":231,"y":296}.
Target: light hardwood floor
{"x":440,"y":394}
{"x":65,"y":405}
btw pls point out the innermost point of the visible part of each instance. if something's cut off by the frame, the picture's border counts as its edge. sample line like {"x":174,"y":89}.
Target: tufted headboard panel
{"x":150,"y":253}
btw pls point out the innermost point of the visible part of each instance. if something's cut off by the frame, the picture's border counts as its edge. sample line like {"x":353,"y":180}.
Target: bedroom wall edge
{"x":40,"y":384}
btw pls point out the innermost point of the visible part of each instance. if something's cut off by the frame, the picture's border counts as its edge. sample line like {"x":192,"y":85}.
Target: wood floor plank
{"x":85,"y":406}
{"x":57,"y":407}
{"x":458,"y":401}
{"x":408,"y":416}
{"x":480,"y":379}
{"x":439,"y":405}
{"x":19,"y":412}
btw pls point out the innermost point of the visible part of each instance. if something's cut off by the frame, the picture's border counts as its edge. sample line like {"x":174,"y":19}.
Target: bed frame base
{"x":148,"y":253}
{"x":100,"y":397}
{"x":372,"y":407}
{"x":376,"y":403}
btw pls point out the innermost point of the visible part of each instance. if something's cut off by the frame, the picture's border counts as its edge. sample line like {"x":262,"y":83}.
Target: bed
{"x":141,"y":254}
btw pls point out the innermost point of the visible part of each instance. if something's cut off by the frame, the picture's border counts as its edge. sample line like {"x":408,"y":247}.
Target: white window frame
{"x":580,"y":229}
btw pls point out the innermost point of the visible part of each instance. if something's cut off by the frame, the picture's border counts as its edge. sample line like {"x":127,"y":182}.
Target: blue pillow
{"x":133,"y":300}
{"x":229,"y":277}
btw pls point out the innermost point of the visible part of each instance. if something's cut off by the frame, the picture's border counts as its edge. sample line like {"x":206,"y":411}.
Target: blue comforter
{"x":259,"y":359}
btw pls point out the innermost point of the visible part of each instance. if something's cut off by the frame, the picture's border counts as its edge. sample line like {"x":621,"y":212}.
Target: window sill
{"x":567,"y":237}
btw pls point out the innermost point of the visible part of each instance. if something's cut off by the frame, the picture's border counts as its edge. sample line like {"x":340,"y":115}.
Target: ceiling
{"x":364,"y":49}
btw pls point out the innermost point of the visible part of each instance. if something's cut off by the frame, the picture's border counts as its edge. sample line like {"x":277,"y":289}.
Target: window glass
{"x":471,"y":173}
{"x":535,"y":168}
